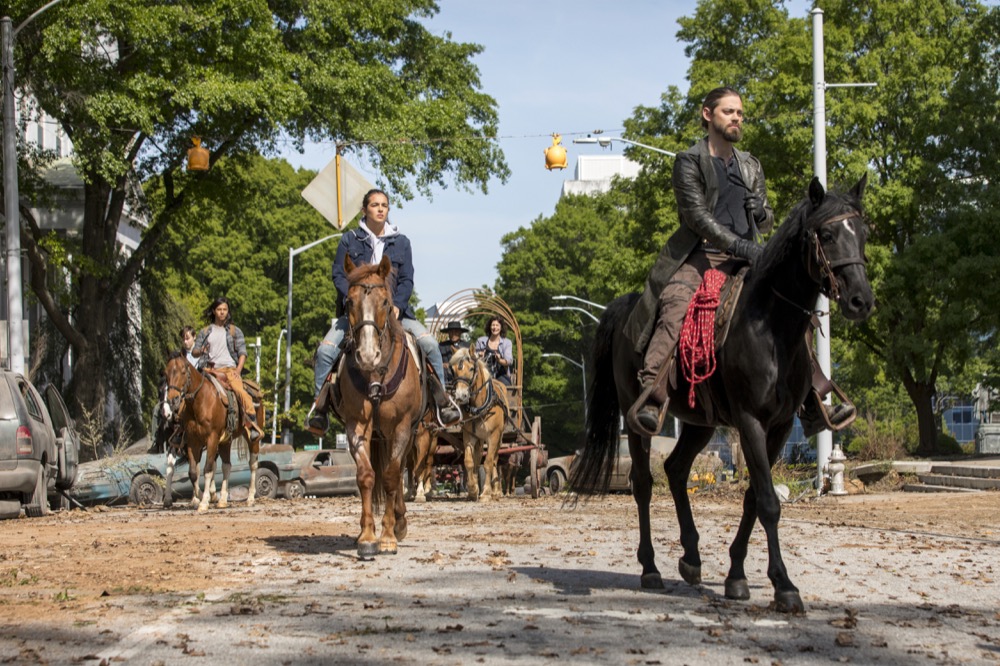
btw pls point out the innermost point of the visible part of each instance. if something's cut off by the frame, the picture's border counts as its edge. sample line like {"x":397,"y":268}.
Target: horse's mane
{"x":364,"y":271}
{"x":789,"y":236}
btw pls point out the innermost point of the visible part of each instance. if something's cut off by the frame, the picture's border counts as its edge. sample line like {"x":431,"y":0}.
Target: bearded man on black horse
{"x":723,"y":208}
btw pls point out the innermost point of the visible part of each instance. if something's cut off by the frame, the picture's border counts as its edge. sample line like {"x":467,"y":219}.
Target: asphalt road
{"x":886,"y":579}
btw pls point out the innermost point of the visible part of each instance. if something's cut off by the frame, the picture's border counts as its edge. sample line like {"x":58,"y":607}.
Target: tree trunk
{"x":922,"y":394}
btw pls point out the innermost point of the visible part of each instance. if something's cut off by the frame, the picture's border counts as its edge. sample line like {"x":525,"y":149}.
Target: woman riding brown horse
{"x":202,"y":413}
{"x":379,"y":399}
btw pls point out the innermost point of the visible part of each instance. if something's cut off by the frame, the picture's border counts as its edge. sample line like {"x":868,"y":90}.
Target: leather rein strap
{"x":376,"y":391}
{"x":820,"y":266}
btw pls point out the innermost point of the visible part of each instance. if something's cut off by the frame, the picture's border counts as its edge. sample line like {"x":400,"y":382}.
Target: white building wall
{"x":595,"y":172}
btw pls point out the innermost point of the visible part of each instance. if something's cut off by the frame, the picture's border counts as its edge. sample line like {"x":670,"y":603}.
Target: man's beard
{"x":733,"y":133}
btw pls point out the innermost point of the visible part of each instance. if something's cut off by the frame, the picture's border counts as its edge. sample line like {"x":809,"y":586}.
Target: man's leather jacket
{"x":696,"y":188}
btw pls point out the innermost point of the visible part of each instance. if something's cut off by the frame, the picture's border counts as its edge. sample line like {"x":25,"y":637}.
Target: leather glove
{"x":755,"y":205}
{"x":746,"y":249}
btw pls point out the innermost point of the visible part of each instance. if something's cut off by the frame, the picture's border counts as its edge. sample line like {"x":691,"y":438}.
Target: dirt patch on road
{"x":79,"y":577}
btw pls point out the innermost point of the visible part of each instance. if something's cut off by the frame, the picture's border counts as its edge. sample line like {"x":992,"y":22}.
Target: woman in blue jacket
{"x":374,"y":238}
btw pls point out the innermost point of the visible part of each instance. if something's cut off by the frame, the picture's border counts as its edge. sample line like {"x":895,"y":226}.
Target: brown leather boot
{"x":814,"y":421}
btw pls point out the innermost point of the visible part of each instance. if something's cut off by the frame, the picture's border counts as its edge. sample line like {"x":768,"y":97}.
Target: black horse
{"x":763,"y":374}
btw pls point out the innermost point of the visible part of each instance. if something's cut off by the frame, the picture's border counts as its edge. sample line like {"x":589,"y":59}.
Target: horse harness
{"x":491,"y":394}
{"x":376,"y":391}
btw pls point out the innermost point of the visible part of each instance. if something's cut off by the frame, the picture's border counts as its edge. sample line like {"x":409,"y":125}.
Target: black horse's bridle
{"x":821,"y":265}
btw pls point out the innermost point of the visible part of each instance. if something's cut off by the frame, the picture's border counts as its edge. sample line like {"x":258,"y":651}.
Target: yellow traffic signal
{"x":555,"y":155}
{"x":197,"y":156}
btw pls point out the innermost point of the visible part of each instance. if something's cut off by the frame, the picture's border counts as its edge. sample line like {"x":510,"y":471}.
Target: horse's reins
{"x":820,"y":267}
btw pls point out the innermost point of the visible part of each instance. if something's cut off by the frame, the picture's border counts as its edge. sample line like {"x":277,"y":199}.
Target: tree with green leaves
{"x":131,"y":83}
{"x":927,"y":134}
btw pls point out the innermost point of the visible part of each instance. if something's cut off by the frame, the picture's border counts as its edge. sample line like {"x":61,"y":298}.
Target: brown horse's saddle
{"x":330,"y":394}
{"x":234,"y":408}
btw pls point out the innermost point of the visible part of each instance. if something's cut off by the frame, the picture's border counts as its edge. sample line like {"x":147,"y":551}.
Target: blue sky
{"x":562,"y":66}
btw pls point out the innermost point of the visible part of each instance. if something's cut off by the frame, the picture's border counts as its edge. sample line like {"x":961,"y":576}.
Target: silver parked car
{"x":39,"y":449}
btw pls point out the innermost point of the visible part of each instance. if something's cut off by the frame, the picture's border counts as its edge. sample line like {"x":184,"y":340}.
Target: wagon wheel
{"x":534,"y":475}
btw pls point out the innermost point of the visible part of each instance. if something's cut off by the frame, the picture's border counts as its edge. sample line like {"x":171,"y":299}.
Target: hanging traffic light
{"x":197,"y":158}
{"x":555,"y":155}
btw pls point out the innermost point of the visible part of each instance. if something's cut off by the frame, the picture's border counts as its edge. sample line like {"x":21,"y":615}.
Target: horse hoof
{"x":738,"y":589}
{"x":368,"y":550}
{"x":651,"y":581}
{"x":400,"y":531}
{"x":223,"y":505}
{"x":250,"y":502}
{"x":788,"y":602}
{"x":689,"y":572}
{"x":388,"y":550}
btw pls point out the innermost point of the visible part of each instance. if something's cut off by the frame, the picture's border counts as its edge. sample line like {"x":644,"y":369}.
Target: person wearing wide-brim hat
{"x":454,"y":331}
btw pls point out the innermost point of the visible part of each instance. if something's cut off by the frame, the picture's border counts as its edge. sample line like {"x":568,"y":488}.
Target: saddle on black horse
{"x":727,"y":298}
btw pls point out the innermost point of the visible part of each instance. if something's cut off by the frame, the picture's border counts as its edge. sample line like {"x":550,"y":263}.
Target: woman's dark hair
{"x":209,"y":313}
{"x":712,"y":100}
{"x":369,"y":194}
{"x":503,"y":326}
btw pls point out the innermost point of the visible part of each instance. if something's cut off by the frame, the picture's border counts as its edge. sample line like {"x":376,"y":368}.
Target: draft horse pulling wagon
{"x":494,"y":425}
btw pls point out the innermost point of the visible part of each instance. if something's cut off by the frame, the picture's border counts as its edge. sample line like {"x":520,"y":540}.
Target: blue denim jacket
{"x":358,"y":244}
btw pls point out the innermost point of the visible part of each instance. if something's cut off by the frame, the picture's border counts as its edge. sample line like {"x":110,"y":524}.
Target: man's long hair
{"x":209,"y":312}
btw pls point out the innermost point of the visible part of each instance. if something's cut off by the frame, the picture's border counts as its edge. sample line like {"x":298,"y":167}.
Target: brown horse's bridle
{"x":376,"y":389}
{"x":821,"y":267}
{"x":487,"y":386}
{"x":184,"y":395}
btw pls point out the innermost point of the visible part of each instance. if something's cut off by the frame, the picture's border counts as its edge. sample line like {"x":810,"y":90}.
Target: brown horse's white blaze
{"x":483,"y":400}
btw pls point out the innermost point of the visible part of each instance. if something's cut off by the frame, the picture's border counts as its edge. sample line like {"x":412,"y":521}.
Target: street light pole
{"x":583,"y":369}
{"x":292,"y":252}
{"x":824,"y":440}
{"x":563,"y":297}
{"x":17,"y":334}
{"x":605,"y":141}
{"x":277,"y":371}
{"x":571,"y":307}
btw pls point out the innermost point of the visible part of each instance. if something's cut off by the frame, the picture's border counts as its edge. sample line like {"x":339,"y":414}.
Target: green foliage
{"x":131,"y":83}
{"x":236,"y":245}
{"x":576,"y":251}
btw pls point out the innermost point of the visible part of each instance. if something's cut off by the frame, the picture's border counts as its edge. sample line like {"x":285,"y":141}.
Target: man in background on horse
{"x":222,"y":347}
{"x":374,"y":238}
{"x":723,"y":208}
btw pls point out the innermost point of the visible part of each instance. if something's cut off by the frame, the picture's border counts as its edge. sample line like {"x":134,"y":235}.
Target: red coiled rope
{"x":698,"y":333}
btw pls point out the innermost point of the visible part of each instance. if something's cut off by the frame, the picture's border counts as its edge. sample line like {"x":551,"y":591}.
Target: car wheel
{"x":267,"y":484}
{"x":39,"y":504}
{"x":295,"y":489}
{"x":145,"y":491}
{"x":557,"y":480}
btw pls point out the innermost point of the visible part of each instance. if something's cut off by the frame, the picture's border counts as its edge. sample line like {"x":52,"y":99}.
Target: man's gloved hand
{"x":746,"y":249}
{"x":755,"y":205}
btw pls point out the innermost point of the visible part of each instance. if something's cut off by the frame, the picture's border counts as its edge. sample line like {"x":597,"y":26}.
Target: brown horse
{"x":421,"y":460}
{"x":509,"y":465}
{"x":483,"y":400}
{"x":199,"y":407}
{"x":378,"y":397}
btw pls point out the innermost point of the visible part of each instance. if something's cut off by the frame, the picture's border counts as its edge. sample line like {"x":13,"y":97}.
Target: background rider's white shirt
{"x":218,"y":350}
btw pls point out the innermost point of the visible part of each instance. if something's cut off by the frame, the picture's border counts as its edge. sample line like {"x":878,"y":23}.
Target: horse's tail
{"x":592,"y":474}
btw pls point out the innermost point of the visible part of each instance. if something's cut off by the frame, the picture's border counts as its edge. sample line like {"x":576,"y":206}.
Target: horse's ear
{"x":859,"y":189}
{"x":385,"y":266}
{"x":348,"y":264}
{"x":816,"y":192}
